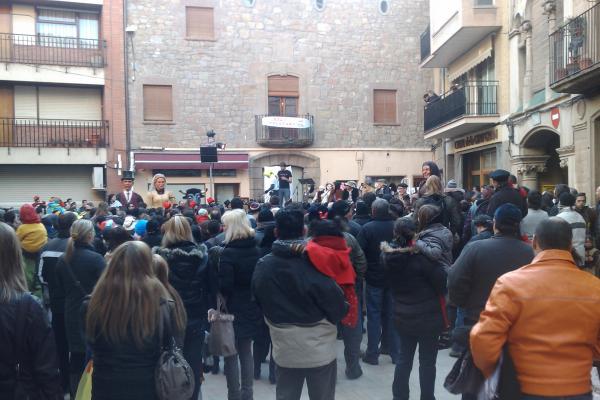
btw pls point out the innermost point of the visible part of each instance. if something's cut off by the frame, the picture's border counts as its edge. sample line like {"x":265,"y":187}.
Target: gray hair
{"x":380,"y":208}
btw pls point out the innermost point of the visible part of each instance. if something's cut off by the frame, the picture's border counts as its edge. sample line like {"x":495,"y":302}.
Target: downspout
{"x":127,"y":112}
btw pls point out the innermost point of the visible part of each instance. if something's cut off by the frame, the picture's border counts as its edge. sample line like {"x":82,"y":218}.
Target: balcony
{"x":468,"y":107}
{"x":465,"y":25}
{"x":51,"y":50}
{"x":575,"y":54}
{"x":21,"y":132}
{"x":282,"y":137}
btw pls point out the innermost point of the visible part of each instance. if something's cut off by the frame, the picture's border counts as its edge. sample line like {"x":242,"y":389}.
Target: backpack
{"x":174,"y":378}
{"x":440,"y":202}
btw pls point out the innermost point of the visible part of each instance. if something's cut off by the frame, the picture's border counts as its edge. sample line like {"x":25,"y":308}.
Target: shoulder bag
{"x":174,"y":378}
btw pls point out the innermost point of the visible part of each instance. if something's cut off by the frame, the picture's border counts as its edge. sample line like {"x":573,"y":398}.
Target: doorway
{"x":545,"y":142}
{"x":226,"y":191}
{"x":296,"y":189}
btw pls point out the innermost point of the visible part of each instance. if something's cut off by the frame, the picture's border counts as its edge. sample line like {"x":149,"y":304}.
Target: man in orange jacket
{"x":548,"y":312}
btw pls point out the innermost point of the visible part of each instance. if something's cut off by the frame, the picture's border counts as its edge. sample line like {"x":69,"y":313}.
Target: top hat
{"x":127,"y":176}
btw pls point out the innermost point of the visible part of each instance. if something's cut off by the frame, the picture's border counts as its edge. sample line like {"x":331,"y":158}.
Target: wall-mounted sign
{"x":286,"y":122}
{"x":476,"y":140}
{"x":555,"y":117}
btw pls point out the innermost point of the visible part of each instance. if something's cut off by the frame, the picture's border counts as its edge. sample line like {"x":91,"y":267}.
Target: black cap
{"x":404,"y":185}
{"x":339,"y":209}
{"x":500,"y":175}
{"x":127,"y":176}
{"x":482,"y":220}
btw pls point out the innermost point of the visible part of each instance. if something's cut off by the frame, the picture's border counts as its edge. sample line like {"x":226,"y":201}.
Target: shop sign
{"x":476,"y":140}
{"x":286,"y":122}
{"x":555,"y":117}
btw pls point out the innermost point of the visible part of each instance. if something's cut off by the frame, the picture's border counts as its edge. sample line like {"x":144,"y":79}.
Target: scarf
{"x":331,"y":256}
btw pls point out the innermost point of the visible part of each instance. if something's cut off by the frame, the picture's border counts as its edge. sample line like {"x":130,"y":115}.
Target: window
{"x":319,"y":5}
{"x":65,"y":28}
{"x":484,"y":3}
{"x":224,"y":172}
{"x":200,"y":23}
{"x":249,"y":3}
{"x":158,"y":103}
{"x":384,"y":6}
{"x":283,"y":95}
{"x":58,"y":103}
{"x":384,"y":106}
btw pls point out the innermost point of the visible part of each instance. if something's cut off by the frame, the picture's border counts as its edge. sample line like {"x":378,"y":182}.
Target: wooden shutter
{"x":200,"y":23}
{"x":70,"y":103}
{"x":158,"y":103}
{"x":283,"y":86}
{"x":384,"y":106}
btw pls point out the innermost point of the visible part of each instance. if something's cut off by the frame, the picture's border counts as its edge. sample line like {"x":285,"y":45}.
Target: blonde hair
{"x":433,"y":185}
{"x":160,"y":267}
{"x":176,"y":230}
{"x":157,"y":177}
{"x":236,"y":225}
{"x":82,"y":232}
{"x":125,"y":303}
{"x":12,"y":274}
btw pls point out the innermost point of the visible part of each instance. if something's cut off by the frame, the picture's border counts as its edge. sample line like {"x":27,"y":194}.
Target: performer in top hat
{"x":128,"y":196}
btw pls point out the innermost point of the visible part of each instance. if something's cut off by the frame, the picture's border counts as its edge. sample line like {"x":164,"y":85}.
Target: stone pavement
{"x":375,"y":384}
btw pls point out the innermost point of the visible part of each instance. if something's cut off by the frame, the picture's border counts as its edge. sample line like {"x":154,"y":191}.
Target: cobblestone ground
{"x":375,"y":384}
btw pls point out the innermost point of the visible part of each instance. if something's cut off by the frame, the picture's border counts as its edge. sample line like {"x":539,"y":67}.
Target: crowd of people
{"x":495,"y":271}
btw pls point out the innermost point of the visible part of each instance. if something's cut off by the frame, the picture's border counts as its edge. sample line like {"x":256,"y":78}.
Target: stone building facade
{"x":215,"y":59}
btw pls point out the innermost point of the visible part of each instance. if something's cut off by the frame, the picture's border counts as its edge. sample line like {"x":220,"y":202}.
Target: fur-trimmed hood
{"x":183,"y":249}
{"x":389,"y":248}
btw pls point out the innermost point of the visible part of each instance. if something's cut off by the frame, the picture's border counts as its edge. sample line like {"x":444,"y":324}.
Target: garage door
{"x":19,"y":183}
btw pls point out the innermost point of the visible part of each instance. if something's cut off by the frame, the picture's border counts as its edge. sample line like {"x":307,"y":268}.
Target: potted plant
{"x":585,"y":63}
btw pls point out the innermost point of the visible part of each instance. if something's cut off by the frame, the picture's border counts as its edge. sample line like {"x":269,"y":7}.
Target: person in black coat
{"x":78,"y":270}
{"x":189,"y":275}
{"x":49,"y":257}
{"x":378,"y":294}
{"x":362,"y":213}
{"x":418,"y":286}
{"x":23,"y":327}
{"x":234,"y":265}
{"x":505,"y":193}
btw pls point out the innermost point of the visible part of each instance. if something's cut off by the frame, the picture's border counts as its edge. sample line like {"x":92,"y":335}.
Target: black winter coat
{"x":506,"y":194}
{"x":451,"y":216}
{"x":290,"y":290}
{"x":38,"y":355}
{"x":188,"y":274}
{"x":474,"y":273}
{"x":370,"y":238}
{"x":86,"y":265}
{"x":234,"y":268}
{"x":417,"y":285}
{"x":49,"y":257}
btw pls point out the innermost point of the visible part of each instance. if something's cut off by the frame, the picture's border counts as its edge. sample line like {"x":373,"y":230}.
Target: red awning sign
{"x":555,"y":117}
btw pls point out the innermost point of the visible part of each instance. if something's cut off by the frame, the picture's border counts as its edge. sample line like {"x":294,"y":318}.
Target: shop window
{"x":478,"y":166}
{"x":178,"y":172}
{"x":158,"y":103}
{"x":224,"y":172}
{"x":200,"y":23}
{"x":384,"y":106}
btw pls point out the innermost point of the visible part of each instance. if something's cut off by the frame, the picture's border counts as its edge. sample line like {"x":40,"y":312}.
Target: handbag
{"x":84,"y":389}
{"x":221,"y":341}
{"x":173,"y":375}
{"x":464,"y":377}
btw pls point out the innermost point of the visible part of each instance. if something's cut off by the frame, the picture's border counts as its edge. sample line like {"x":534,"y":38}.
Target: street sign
{"x":555,"y":117}
{"x":286,"y":122}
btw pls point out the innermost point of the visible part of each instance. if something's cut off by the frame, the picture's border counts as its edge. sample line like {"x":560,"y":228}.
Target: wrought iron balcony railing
{"x":22,"y":132}
{"x":473,"y":98}
{"x":270,"y":136}
{"x":51,"y":50}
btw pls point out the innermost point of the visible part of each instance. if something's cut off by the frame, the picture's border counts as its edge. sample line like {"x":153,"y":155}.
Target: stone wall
{"x":340,"y":55}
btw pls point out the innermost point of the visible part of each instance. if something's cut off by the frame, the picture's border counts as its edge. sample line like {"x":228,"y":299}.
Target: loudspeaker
{"x":208,"y":154}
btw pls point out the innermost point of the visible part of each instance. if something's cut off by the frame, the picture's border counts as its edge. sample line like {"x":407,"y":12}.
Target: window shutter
{"x":70,"y":103}
{"x":284,"y":86}
{"x":200,"y":23}
{"x":25,"y":102}
{"x":158,"y":103}
{"x":384,"y":106}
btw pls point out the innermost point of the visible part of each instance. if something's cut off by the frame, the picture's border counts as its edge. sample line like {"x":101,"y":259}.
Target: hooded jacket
{"x":436,"y":242}
{"x":188,"y":274}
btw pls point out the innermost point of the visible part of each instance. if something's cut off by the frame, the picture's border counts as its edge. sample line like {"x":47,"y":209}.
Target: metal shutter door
{"x":20,"y":183}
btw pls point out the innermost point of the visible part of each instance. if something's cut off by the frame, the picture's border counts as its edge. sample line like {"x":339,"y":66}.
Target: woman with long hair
{"x":161,"y":270}
{"x":234,"y":266}
{"x":432,"y":192}
{"x":24,"y":329}
{"x":188,"y":274}
{"x":434,"y":240}
{"x":78,"y":270}
{"x":418,"y":285}
{"x":122,"y":324}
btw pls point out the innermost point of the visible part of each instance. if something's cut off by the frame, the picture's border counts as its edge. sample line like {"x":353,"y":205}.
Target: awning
{"x":166,"y":160}
{"x":471,"y":59}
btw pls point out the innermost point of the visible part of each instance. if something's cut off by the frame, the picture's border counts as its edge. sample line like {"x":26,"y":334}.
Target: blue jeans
{"x":376,"y":312}
{"x":284,"y":195}
{"x":587,"y":396}
{"x":352,"y":338}
{"x":428,"y":349}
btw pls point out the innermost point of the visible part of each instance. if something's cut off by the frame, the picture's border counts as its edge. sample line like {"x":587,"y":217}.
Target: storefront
{"x":475,"y":157}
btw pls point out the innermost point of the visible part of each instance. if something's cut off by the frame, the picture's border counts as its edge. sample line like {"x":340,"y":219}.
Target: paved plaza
{"x":375,"y":384}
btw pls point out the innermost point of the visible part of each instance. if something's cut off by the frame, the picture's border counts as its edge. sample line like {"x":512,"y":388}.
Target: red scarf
{"x":331,"y":256}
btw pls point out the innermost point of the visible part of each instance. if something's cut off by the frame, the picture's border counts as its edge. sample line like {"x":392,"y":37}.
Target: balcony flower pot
{"x":560,"y":73}
{"x":585,"y":63}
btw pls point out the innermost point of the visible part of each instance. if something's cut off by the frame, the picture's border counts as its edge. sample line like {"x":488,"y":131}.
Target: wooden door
{"x":5,"y":30}
{"x":6,"y":115}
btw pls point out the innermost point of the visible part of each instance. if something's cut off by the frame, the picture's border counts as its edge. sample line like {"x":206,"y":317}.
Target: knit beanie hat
{"x":28,"y":215}
{"x":140,"y":227}
{"x":508,"y":214}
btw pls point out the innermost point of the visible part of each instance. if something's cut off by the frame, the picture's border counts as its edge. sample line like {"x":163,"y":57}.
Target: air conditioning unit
{"x":98,"y":178}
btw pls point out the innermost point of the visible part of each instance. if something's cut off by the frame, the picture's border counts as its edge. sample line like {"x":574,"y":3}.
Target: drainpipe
{"x":127,"y":112}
